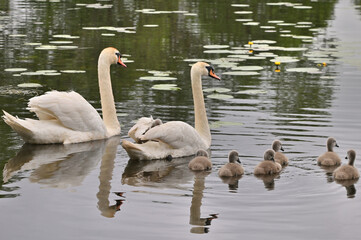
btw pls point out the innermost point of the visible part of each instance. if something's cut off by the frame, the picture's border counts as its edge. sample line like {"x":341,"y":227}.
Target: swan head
{"x":110,"y":56}
{"x":331,"y":143}
{"x":201,"y":153}
{"x":233,"y":157}
{"x":269,"y":155}
{"x":351,"y":155}
{"x":277,"y":146}
{"x":205,"y":70}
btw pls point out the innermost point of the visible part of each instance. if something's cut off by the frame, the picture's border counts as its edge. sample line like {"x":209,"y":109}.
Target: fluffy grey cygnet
{"x":232,"y":168}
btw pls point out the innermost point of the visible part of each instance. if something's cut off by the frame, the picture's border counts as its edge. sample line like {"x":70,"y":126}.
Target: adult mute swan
{"x":66,"y":117}
{"x":176,"y":139}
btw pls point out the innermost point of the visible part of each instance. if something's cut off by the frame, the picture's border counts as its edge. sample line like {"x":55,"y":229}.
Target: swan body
{"x":175,"y":138}
{"x":66,"y":117}
{"x":232,"y":168}
{"x":201,"y":162}
{"x":279,"y":157}
{"x":347,"y":171}
{"x":329,"y":158}
{"x":268,"y":166}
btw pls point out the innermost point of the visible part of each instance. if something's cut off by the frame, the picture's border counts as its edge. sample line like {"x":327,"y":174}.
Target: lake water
{"x":93,"y":191}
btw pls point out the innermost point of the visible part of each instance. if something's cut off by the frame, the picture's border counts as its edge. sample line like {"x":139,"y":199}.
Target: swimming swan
{"x":329,"y":158}
{"x":268,"y":166}
{"x":201,"y":162}
{"x":279,"y":157}
{"x":66,"y":117}
{"x":176,"y":138}
{"x":232,"y":168}
{"x":347,"y":171}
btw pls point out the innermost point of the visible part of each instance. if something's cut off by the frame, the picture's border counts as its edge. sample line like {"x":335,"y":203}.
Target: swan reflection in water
{"x":350,"y":187}
{"x":348,"y":184}
{"x":268,"y":180}
{"x":171,"y":174}
{"x":65,"y":166}
{"x":232,"y":182}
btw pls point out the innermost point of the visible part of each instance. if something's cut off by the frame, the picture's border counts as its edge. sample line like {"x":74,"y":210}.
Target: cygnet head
{"x":233,"y":157}
{"x":331,"y":143}
{"x":110,"y":56}
{"x":269,"y":155}
{"x":351,"y":156}
{"x":156,"y":122}
{"x":205,"y":70}
{"x":277,"y":146}
{"x":202,"y":153}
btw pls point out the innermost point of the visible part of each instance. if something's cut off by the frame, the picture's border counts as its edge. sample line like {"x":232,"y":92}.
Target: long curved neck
{"x":107,"y":99}
{"x":200,"y":115}
{"x":329,"y":147}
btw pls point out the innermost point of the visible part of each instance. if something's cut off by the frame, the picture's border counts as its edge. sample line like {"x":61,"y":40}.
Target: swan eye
{"x":118,"y":54}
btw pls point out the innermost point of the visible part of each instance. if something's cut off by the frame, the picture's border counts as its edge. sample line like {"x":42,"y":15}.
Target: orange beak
{"x":213,"y":75}
{"x":121,"y":63}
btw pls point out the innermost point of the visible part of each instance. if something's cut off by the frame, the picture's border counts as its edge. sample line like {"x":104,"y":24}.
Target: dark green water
{"x":93,"y":191}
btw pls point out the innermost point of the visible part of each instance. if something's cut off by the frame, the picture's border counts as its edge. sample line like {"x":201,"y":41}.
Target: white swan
{"x":176,"y":138}
{"x":66,"y":117}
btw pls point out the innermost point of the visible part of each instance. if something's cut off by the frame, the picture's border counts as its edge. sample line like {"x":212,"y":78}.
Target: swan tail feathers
{"x":17,"y":126}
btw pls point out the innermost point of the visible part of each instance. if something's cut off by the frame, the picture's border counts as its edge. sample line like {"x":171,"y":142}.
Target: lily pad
{"x":217,"y":51}
{"x":32,"y":44}
{"x":216,"y":46}
{"x":155,"y":78}
{"x":240,"y":5}
{"x":29,"y":85}
{"x":251,"y":23}
{"x":46,"y":47}
{"x":15,"y":69}
{"x":150,"y":25}
{"x":241,"y":73}
{"x":61,"y":42}
{"x":108,"y":34}
{"x":72,"y":71}
{"x":217,"y":90}
{"x":284,"y":59}
{"x":305,"y":70}
{"x":219,"y":96}
{"x":169,"y":87}
{"x":243,"y":12}
{"x":247,"y":68}
{"x":252,"y":92}
{"x":264,"y":42}
{"x":244,"y":20}
{"x":67,"y":47}
{"x":65,"y":36}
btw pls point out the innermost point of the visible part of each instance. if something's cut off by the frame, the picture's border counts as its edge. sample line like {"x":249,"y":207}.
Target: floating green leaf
{"x":252,"y":91}
{"x":217,"y":90}
{"x":29,"y":85}
{"x":169,"y":87}
{"x":219,"y":96}
{"x":241,"y":73}
{"x":159,"y":78}
{"x":15,"y":69}
{"x":247,"y":68}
